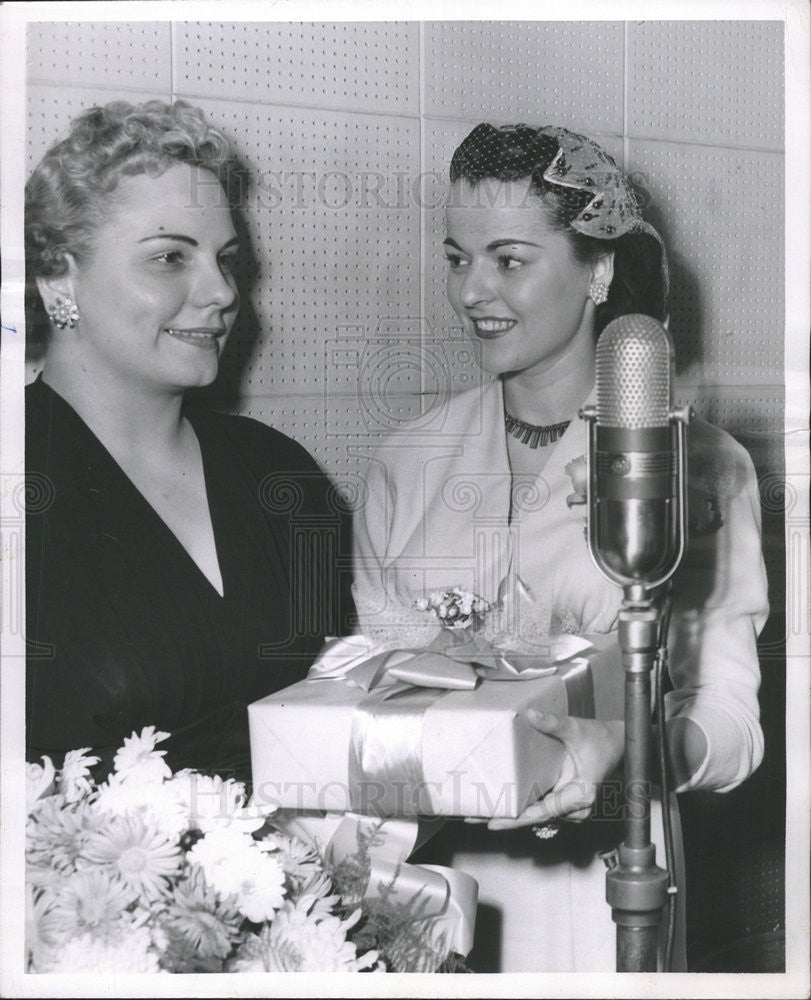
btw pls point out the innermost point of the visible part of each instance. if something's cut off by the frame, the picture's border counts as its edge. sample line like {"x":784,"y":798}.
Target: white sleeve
{"x":720,"y":606}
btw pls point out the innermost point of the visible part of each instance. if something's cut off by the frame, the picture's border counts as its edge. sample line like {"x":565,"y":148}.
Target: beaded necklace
{"x":534,"y":435}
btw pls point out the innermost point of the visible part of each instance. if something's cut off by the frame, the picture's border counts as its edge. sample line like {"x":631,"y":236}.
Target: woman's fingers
{"x":579,"y":815}
{"x":594,"y":747}
{"x":548,"y":723}
{"x":572,"y":801}
{"x":592,"y":751}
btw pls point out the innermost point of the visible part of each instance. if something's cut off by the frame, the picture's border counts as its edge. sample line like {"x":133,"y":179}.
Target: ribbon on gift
{"x":452,"y":661}
{"x":445,"y":899}
{"x":385,"y":766}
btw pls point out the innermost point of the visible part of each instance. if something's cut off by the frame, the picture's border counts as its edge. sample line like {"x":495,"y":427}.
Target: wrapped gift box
{"x":328,"y":745}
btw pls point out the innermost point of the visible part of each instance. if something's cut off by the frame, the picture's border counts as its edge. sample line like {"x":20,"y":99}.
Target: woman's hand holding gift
{"x":594,"y":750}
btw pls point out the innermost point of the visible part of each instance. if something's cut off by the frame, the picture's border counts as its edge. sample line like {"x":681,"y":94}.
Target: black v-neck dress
{"x":123,"y":629}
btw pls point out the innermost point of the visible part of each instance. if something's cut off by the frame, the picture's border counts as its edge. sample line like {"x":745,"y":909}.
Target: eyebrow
{"x":495,"y":245}
{"x":185,"y":239}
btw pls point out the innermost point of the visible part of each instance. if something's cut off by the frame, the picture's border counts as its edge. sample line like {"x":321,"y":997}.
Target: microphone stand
{"x":637,"y":888}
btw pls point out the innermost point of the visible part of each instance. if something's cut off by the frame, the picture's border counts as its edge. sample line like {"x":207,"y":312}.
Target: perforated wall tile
{"x":721,"y":213}
{"x":353,"y":66}
{"x":722,"y":82}
{"x":334,"y":437}
{"x":440,"y":140}
{"x":131,"y":54}
{"x":51,"y":110}
{"x":336,"y":238}
{"x":542,"y":72}
{"x":754,"y":415}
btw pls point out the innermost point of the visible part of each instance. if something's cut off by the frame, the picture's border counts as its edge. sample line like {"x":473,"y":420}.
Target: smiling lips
{"x":490,"y":327}
{"x":204,"y":337}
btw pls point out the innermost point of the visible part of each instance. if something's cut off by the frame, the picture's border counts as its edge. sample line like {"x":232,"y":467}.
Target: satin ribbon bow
{"x":445,"y":898}
{"x":453,"y":661}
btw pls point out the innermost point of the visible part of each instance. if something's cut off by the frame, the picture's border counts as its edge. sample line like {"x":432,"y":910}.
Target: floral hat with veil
{"x":580,"y":165}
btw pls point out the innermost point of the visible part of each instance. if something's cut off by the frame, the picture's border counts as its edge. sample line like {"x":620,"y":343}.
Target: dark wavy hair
{"x":68,"y":193}
{"x":519,"y":152}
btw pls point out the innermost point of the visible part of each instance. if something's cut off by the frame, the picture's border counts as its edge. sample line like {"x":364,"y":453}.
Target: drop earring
{"x":63,"y":312}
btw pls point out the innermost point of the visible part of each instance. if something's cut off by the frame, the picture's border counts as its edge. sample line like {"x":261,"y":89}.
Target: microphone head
{"x":634,"y":363}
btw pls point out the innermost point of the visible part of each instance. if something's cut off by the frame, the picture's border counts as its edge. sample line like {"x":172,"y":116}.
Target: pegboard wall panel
{"x":555,"y":72}
{"x":754,"y":417}
{"x":336,"y":237}
{"x":335,"y":248}
{"x":721,"y":214}
{"x":353,"y":66}
{"x":723,"y":80}
{"x":52,"y":108}
{"x":134,"y":55}
{"x":440,"y":139}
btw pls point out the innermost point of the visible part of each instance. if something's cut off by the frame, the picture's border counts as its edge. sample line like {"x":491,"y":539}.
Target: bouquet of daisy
{"x":151,"y":871}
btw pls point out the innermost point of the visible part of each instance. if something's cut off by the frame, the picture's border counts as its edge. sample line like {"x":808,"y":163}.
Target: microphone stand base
{"x":636,"y":890}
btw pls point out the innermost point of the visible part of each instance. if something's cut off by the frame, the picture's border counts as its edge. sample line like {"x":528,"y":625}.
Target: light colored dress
{"x":440,"y":511}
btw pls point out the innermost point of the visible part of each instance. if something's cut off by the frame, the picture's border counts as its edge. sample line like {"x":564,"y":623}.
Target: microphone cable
{"x":660,"y":670}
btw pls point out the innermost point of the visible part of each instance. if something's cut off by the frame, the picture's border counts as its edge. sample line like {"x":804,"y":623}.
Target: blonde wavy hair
{"x":68,"y":193}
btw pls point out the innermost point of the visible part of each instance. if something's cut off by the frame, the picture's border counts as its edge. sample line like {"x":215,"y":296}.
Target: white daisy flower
{"x":74,"y":777}
{"x":138,"y":853}
{"x":93,"y":902}
{"x":212,"y":802}
{"x":138,"y":760}
{"x":39,"y":781}
{"x":134,"y":953}
{"x":236,"y":865}
{"x":43,"y":928}
{"x":300,"y":940}
{"x":158,"y":802}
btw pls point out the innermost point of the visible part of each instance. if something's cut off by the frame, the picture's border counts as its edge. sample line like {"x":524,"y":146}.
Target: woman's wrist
{"x":686,"y":749}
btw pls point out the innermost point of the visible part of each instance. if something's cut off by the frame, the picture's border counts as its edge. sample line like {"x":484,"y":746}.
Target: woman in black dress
{"x":177,"y":559}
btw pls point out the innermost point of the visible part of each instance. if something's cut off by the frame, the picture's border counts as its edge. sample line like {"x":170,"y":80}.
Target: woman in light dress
{"x":545,"y":246}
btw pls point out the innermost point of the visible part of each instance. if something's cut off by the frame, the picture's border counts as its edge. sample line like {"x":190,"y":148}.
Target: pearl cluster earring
{"x":598,"y":292}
